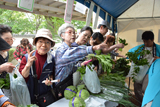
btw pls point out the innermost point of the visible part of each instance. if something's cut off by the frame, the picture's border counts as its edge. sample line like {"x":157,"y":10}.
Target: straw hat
{"x":44,"y":33}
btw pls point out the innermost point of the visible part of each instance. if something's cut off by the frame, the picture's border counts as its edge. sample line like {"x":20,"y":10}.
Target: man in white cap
{"x":103,"y":27}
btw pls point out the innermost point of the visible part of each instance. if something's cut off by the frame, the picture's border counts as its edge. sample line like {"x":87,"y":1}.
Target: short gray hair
{"x":63,"y":27}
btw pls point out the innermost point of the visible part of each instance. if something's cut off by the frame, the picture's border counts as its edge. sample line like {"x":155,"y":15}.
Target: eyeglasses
{"x":46,"y":43}
{"x":70,"y":32}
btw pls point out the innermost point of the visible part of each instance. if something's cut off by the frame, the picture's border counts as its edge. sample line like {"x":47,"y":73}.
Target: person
{"x":4,"y":101}
{"x":103,"y":27}
{"x":22,"y":49}
{"x":152,"y":93}
{"x":6,"y":34}
{"x":44,"y":64}
{"x":83,"y":36}
{"x":95,"y":39}
{"x":66,"y":56}
{"x":148,"y":40}
{"x":110,"y":42}
{"x":4,"y":66}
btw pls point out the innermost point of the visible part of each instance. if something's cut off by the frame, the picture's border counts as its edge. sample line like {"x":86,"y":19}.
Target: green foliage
{"x":5,"y":82}
{"x":31,"y":105}
{"x":122,"y":41}
{"x":98,"y":52}
{"x":104,"y":60}
{"x":11,"y":54}
{"x":133,"y":57}
{"x":79,"y":87}
{"x":121,"y":67}
{"x":82,"y":71}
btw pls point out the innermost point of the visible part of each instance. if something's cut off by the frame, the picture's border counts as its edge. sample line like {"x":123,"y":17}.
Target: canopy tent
{"x":130,"y":17}
{"x":142,"y":16}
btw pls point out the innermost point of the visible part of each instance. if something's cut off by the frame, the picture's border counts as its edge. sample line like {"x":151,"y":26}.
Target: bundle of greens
{"x":104,"y":60}
{"x":121,"y":67}
{"x":32,"y":105}
{"x":134,"y":57}
{"x":122,"y":41}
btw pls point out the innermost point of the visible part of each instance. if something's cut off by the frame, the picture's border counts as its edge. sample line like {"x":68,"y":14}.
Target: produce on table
{"x":77,"y":102}
{"x":121,"y":67}
{"x":70,"y":92}
{"x":113,"y":89}
{"x":84,"y":94}
{"x":5,"y":82}
{"x":82,"y":86}
{"x":122,"y":41}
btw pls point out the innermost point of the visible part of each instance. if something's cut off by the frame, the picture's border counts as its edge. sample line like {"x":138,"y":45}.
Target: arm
{"x":26,"y":69}
{"x":4,"y":101}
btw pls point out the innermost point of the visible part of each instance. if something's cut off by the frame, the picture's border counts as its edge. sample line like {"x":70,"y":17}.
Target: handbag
{"x":44,"y":99}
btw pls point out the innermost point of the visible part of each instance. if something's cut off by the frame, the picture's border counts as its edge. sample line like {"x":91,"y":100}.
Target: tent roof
{"x":143,"y":9}
{"x":44,"y":7}
{"x":114,"y":7}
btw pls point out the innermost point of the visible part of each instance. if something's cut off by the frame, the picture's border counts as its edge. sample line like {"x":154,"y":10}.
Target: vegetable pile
{"x":121,"y":67}
{"x":76,"y":98}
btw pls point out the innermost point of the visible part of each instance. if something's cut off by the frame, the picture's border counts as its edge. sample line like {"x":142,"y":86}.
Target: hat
{"x":44,"y":33}
{"x":4,"y":45}
{"x":106,"y":23}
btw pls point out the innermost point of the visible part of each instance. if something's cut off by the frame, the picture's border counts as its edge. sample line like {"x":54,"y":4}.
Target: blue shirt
{"x":3,"y":99}
{"x":153,"y":87}
{"x":66,"y":58}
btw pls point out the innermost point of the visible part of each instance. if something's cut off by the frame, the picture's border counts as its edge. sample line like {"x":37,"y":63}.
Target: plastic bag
{"x":7,"y":93}
{"x":76,"y":78}
{"x":142,"y":71}
{"x":19,"y":89}
{"x":91,"y":80}
{"x":93,"y":101}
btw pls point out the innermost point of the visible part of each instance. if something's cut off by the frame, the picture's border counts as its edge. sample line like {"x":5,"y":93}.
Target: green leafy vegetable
{"x":77,"y":102}
{"x":84,"y":94}
{"x":104,"y":60}
{"x":98,"y":52}
{"x":5,"y":82}
{"x":121,"y":67}
{"x":70,"y":92}
{"x":15,"y":75}
{"x":122,"y":41}
{"x":134,"y":57}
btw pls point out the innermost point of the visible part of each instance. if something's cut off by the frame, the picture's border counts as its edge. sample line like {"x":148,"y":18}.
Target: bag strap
{"x":34,"y":75}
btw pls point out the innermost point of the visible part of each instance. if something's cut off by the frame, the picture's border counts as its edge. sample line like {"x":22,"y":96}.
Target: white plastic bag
{"x":19,"y":89}
{"x":91,"y":80}
{"x":76,"y":78}
{"x":142,"y":72}
{"x":93,"y":101}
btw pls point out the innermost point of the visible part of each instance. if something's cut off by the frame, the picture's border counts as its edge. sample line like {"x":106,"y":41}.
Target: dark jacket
{"x":42,"y":88}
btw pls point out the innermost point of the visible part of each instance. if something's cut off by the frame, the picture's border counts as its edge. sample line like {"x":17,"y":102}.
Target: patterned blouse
{"x":21,"y":51}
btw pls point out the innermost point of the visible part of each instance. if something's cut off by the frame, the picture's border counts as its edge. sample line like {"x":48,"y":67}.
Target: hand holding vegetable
{"x":8,"y":67}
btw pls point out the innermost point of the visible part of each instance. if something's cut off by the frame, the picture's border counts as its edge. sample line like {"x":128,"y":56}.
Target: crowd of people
{"x":40,"y":64}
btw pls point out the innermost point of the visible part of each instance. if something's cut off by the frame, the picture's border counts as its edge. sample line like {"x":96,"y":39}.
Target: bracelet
{"x":6,"y":105}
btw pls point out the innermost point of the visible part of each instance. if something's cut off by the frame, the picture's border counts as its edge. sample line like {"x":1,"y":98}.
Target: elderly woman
{"x":66,"y":56}
{"x":83,"y":36}
{"x":22,"y":49}
{"x":44,"y":64}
